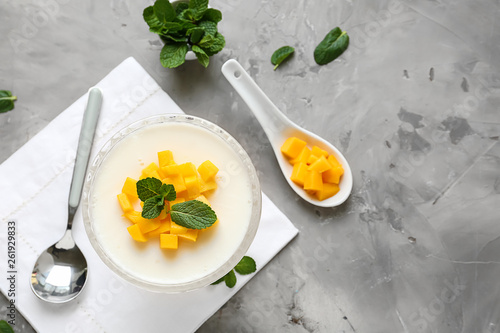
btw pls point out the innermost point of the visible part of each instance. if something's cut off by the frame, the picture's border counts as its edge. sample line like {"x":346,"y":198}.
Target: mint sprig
{"x":6,"y":101}
{"x":192,"y":214}
{"x":244,"y":267}
{"x":331,"y":47}
{"x":281,"y":55}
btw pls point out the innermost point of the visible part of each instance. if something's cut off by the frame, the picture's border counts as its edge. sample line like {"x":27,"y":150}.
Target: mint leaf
{"x":180,"y":7}
{"x":201,"y":55}
{"x":219,"y":280}
{"x":281,"y":54}
{"x":164,"y":11}
{"x":230,"y":279}
{"x":150,"y":18}
{"x":331,"y":47}
{"x":217,"y":45}
{"x":173,"y":55}
{"x":213,"y":15}
{"x":6,"y":101}
{"x":5,"y":327}
{"x":199,"y":7}
{"x":195,"y":34}
{"x":246,"y":266}
{"x":153,"y":207}
{"x":193,"y":214}
{"x":167,"y":191}
{"x":206,"y":41}
{"x":148,"y":188}
{"x":209,"y":27}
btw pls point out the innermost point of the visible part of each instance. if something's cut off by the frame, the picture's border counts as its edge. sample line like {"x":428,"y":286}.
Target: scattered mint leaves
{"x":281,"y":55}
{"x":331,"y":47}
{"x":6,"y":101}
{"x":5,"y":327}
{"x":245,"y":266}
{"x":168,"y":192}
{"x":193,"y":214}
{"x":183,"y":26}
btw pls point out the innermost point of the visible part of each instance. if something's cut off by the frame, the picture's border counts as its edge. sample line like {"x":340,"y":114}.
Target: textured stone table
{"x":413,"y":105}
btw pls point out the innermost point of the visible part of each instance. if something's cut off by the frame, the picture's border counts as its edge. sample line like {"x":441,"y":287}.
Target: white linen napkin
{"x":34,"y":188}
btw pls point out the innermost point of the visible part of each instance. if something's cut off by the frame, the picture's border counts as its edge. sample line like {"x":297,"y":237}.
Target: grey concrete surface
{"x":413,"y":105}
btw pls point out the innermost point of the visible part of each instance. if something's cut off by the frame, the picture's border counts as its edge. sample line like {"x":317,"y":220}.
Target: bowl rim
{"x":241,"y":250}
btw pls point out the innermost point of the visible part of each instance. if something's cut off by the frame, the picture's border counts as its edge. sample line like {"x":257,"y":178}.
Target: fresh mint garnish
{"x":331,"y":47}
{"x":187,"y":25}
{"x":168,"y":192}
{"x":280,"y":55}
{"x":245,"y":266}
{"x":148,"y":188}
{"x":6,"y":101}
{"x":153,"y":207}
{"x":193,"y":214}
{"x":5,"y":327}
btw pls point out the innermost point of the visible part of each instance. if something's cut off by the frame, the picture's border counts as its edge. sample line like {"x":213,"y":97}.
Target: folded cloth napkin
{"x":34,"y":185}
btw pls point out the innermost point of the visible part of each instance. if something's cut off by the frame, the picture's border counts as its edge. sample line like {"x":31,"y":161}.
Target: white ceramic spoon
{"x":278,"y":128}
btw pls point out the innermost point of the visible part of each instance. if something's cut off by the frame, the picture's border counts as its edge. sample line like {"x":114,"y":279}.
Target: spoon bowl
{"x":278,"y":128}
{"x":60,"y":272}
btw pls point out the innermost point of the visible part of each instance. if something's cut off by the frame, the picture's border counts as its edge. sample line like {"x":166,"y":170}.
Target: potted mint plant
{"x":185,"y":26}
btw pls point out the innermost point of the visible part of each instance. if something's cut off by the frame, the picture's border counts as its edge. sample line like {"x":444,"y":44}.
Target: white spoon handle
{"x":269,"y":116}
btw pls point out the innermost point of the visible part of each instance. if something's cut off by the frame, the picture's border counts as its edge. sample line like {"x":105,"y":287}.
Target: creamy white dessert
{"x":232,"y":202}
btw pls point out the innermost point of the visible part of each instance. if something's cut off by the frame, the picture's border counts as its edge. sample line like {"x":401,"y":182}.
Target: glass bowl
{"x":135,"y":274}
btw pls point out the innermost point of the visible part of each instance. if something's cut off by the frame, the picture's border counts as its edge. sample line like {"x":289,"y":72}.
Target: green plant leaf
{"x":206,"y":41}
{"x":246,"y":266}
{"x":201,"y":55}
{"x":217,"y":45}
{"x":173,"y":38}
{"x":281,"y":54}
{"x":193,"y":214}
{"x":153,"y":207}
{"x":230,"y":279}
{"x":180,"y":7}
{"x":164,"y":11}
{"x":173,"y":54}
{"x":167,"y":191}
{"x":195,"y":34}
{"x":150,"y":18}
{"x":199,"y":7}
{"x":209,"y":27}
{"x":219,"y":280}
{"x":6,"y":101}
{"x":213,"y":15}
{"x":5,"y":327}
{"x":148,"y":188}
{"x":331,"y":47}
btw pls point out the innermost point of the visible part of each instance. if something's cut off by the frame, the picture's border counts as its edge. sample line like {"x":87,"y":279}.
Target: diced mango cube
{"x":318,"y":152}
{"x":130,"y":187}
{"x":292,"y":147}
{"x":125,"y":203}
{"x":177,"y":229}
{"x":155,"y":174}
{"x":188,"y":169}
{"x":333,"y":175}
{"x":313,"y":181}
{"x":320,"y":165}
{"x":302,"y":157}
{"x":192,"y":186}
{"x":177,"y":181}
{"x":149,"y":169}
{"x":171,"y":170}
{"x":299,"y":173}
{"x":207,"y":170}
{"x":169,"y":241}
{"x":134,"y":216}
{"x":165,"y":158}
{"x":147,"y":225}
{"x":312,"y":158}
{"x":328,"y":191}
{"x":136,"y":233}
{"x":163,"y":228}
{"x":207,"y":185}
{"x":191,"y":235}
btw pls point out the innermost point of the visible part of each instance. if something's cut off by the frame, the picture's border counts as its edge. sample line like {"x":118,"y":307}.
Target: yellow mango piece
{"x":134,"y":216}
{"x":299,"y":173}
{"x":177,"y":181}
{"x":320,"y":165}
{"x":207,"y":170}
{"x":329,"y":190}
{"x":136,"y":233}
{"x":193,"y":188}
{"x":188,"y":170}
{"x":165,"y":158}
{"x":147,"y":171}
{"x":313,"y":181}
{"x":177,"y":229}
{"x":292,"y":147}
{"x":171,"y":170}
{"x":318,"y":152}
{"x":168,"y":241}
{"x":147,"y":225}
{"x":130,"y":187}
{"x":333,"y":175}
{"x":207,"y":185}
{"x":302,"y":157}
{"x":312,"y":158}
{"x":124,"y":202}
{"x":191,"y":234}
{"x":162,"y":229}
{"x":155,"y":174}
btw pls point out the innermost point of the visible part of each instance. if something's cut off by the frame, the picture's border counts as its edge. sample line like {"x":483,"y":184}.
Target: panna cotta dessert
{"x":233,"y":194}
